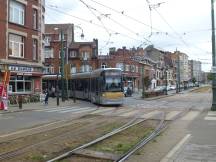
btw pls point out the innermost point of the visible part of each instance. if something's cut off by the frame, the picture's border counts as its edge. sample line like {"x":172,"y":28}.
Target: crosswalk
{"x":210,"y":116}
{"x":121,"y":112}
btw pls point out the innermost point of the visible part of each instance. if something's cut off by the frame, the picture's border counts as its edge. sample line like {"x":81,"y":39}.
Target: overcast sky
{"x":184,"y":25}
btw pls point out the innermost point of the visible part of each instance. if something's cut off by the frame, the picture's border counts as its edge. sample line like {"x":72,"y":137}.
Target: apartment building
{"x":195,"y":70}
{"x":80,"y":56}
{"x":22,"y":27}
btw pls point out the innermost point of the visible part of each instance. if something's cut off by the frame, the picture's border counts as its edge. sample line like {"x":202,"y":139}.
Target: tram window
{"x":93,"y":84}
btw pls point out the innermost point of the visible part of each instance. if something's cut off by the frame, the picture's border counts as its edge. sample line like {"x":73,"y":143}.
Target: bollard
{"x":20,"y":101}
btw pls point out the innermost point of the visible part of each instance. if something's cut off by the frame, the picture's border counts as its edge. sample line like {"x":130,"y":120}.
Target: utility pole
{"x":57,"y":89}
{"x":166,"y":80}
{"x":62,"y":67}
{"x":143,"y":83}
{"x":179,"y":80}
{"x":213,"y":108}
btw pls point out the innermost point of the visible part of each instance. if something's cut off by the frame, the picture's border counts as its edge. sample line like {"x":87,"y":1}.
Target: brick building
{"x":22,"y":27}
{"x":81,"y":56}
{"x":131,"y":62}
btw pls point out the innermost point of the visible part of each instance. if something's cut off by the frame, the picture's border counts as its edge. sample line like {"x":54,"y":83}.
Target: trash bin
{"x":20,"y":101}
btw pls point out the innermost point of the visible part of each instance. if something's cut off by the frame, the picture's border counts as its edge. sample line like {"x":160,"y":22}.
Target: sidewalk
{"x":39,"y":105}
{"x":199,"y":145}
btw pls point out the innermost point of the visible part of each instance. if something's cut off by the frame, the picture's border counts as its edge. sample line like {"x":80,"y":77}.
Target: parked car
{"x":172,"y":87}
{"x":160,"y":88}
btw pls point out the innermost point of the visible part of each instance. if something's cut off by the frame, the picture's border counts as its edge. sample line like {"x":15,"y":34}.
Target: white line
{"x":209,"y":118}
{"x":101,"y":111}
{"x":169,"y":156}
{"x":212,"y":113}
{"x":190,"y":115}
{"x":151,"y":114}
{"x":172,"y":114}
{"x":130,"y":113}
{"x":74,"y":110}
{"x":50,"y":109}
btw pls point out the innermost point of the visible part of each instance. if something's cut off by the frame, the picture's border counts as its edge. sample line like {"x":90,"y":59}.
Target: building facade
{"x":195,"y":70}
{"x":80,"y":56}
{"x":22,"y":27}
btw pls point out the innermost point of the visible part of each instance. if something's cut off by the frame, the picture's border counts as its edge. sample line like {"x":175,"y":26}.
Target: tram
{"x":101,"y":86}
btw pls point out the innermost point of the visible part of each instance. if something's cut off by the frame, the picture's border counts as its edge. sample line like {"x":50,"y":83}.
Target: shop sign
{"x":20,"y":68}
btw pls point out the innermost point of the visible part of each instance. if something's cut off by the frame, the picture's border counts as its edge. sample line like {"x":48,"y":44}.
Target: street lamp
{"x":62,"y":65}
{"x":82,"y":35}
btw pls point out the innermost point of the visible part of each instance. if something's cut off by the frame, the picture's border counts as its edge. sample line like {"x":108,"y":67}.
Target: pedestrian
{"x":46,"y":97}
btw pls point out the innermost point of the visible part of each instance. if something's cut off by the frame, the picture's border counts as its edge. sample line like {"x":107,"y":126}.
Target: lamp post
{"x":62,"y":65}
{"x":166,"y":80}
{"x":213,"y":108}
{"x":143,"y":82}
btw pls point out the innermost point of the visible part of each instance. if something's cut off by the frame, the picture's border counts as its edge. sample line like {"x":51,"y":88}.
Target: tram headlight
{"x":103,"y":95}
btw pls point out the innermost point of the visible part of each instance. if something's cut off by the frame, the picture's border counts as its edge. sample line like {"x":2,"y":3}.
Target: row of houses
{"x":157,"y":66}
{"x":29,"y":48}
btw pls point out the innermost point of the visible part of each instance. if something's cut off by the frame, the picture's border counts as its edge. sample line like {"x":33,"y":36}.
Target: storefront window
{"x":20,"y":84}
{"x":20,"y":87}
{"x":28,"y":86}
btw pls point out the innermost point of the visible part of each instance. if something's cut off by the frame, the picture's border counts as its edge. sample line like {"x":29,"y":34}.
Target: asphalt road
{"x":11,"y":122}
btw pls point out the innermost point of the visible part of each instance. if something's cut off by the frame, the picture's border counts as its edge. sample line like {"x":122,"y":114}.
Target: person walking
{"x":46,"y":97}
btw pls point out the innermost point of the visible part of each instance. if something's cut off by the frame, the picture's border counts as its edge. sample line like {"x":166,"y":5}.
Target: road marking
{"x":168,"y":157}
{"x":75,"y":110}
{"x":101,"y":111}
{"x":57,"y":108}
{"x":127,"y":114}
{"x":151,"y":114}
{"x":22,"y":131}
{"x":172,"y":114}
{"x":211,"y":113}
{"x":190,"y":115}
{"x":209,"y":118}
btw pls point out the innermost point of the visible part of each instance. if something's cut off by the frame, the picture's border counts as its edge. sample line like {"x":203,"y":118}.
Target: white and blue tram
{"x":101,"y":86}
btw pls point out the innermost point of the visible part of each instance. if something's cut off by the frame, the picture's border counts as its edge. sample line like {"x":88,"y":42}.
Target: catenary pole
{"x":62,"y":67}
{"x":213,"y":108}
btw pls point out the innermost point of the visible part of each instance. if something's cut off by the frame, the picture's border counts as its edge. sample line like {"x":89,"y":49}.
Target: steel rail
{"x":118,"y":130}
{"x":144,"y":141}
{"x":21,"y":150}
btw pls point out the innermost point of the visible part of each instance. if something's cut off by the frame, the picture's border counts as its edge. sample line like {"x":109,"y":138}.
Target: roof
{"x":76,"y":45}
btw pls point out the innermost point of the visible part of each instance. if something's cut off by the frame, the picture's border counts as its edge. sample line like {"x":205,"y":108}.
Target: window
{"x":127,"y":67}
{"x":35,"y":19}
{"x":73,"y":69}
{"x":34,"y":53}
{"x":120,"y":65}
{"x":73,"y":54}
{"x":62,"y":36}
{"x":85,"y":55}
{"x":21,"y":84}
{"x":17,"y":12}
{"x":49,"y":70}
{"x":16,"y":46}
{"x":47,"y":40}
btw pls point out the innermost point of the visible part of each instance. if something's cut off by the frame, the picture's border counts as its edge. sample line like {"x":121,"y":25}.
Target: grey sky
{"x":176,"y":24}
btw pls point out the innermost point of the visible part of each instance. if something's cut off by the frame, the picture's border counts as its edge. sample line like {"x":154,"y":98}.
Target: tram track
{"x":26,"y":148}
{"x":163,"y":124}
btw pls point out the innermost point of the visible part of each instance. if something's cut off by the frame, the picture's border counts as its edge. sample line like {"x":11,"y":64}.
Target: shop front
{"x":24,"y":80}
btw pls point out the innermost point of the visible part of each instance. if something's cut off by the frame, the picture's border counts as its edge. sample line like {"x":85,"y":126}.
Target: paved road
{"x":15,"y":121}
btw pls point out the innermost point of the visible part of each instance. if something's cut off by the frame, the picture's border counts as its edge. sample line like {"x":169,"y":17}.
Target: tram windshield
{"x":113,"y":84}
